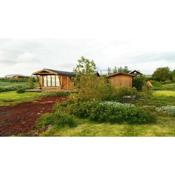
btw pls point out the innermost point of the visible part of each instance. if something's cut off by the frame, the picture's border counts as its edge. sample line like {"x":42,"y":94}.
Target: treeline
{"x":116,"y":69}
{"x":21,"y":79}
{"x":164,"y":74}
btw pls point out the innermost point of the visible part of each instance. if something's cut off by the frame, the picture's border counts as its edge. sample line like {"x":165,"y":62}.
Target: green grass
{"x":167,"y":93}
{"x":12,"y":86}
{"x":164,"y":127}
{"x":12,"y":98}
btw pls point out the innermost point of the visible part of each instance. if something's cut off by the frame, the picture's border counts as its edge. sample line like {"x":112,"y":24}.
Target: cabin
{"x":54,"y":80}
{"x":121,"y":79}
{"x":15,"y":76}
{"x":136,"y":73}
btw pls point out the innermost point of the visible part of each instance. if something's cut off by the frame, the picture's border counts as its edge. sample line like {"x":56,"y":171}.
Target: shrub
{"x":6,"y":89}
{"x":92,"y":87}
{"x":111,"y":112}
{"x":170,"y":110}
{"x":31,"y":82}
{"x":56,"y":119}
{"x":20,"y":90}
{"x":44,"y":121}
{"x":139,"y":82}
{"x":119,"y":93}
{"x":66,"y":120}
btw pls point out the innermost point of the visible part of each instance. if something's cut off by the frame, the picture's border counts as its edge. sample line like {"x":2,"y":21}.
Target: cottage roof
{"x":136,"y":72}
{"x":120,"y":73}
{"x":52,"y":71}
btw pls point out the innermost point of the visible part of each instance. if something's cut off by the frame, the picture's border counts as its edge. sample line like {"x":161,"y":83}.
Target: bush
{"x":56,"y":119}
{"x":139,"y":82}
{"x":31,"y":82}
{"x":92,"y":87}
{"x":119,"y":93}
{"x":20,"y":90}
{"x":66,"y":120}
{"x":170,"y":110}
{"x":6,"y":89}
{"x":111,"y":112}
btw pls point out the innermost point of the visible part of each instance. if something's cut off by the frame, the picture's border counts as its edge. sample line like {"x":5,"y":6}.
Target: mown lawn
{"x":12,"y":98}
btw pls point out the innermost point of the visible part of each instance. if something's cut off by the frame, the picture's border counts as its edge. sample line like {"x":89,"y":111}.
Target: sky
{"x":41,"y":34}
{"x":24,"y":56}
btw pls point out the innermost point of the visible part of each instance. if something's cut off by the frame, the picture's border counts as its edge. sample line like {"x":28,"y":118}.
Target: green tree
{"x":89,"y":86}
{"x":121,"y":69}
{"x":162,"y":74}
{"x":139,"y":82}
{"x":173,"y":75}
{"x":109,"y":71}
{"x":85,"y":66}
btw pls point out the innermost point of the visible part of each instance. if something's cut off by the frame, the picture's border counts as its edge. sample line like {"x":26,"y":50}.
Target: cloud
{"x":25,"y":56}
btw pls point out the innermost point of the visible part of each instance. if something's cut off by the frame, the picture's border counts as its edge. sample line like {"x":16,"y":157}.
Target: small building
{"x":121,"y":79}
{"x":136,"y":73}
{"x":49,"y":79}
{"x":15,"y":76}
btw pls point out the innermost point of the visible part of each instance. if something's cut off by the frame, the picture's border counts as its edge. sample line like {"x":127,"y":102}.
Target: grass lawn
{"x":12,"y":84}
{"x":167,"y":93}
{"x":163,"y":127}
{"x":12,"y":98}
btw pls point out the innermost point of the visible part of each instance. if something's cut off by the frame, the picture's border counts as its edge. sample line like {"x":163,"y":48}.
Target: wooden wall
{"x":121,"y":81}
{"x":65,"y":83}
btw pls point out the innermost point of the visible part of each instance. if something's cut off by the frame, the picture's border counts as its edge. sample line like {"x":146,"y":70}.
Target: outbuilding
{"x":56,"y":80}
{"x":121,"y":79}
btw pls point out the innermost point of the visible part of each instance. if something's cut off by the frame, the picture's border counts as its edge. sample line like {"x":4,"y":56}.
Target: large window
{"x":51,"y":81}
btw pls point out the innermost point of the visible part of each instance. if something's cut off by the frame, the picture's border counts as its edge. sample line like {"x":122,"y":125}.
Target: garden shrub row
{"x":65,"y":114}
{"x":111,"y":112}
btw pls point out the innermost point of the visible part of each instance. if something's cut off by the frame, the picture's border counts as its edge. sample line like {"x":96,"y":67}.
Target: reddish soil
{"x":20,"y":119}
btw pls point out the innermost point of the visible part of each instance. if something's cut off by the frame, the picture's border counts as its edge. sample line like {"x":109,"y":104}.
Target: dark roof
{"x":55,"y":72}
{"x":120,"y":73}
{"x":136,"y":72}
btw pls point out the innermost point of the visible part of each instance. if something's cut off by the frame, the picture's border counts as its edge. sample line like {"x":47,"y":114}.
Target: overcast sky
{"x":26,"y":56}
{"x":139,"y":34}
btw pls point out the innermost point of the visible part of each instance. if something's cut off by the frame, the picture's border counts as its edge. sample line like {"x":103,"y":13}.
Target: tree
{"x":162,"y":74}
{"x":173,"y":75}
{"x":89,"y":86}
{"x":121,"y":69}
{"x":109,"y":71}
{"x":139,"y":82}
{"x":115,"y":70}
{"x":85,"y":66}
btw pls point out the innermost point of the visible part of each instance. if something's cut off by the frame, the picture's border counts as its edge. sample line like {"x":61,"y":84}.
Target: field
{"x":12,"y":97}
{"x":12,"y":85}
{"x":162,"y":95}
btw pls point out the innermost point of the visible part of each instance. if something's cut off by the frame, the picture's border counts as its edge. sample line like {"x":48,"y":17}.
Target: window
{"x":51,"y":81}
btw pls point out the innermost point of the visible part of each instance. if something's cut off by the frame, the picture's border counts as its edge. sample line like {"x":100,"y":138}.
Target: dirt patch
{"x":19,"y":119}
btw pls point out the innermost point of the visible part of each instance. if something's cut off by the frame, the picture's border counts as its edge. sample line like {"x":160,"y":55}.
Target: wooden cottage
{"x":121,"y":79}
{"x":136,"y":73}
{"x":55,"y":80}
